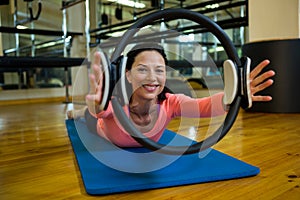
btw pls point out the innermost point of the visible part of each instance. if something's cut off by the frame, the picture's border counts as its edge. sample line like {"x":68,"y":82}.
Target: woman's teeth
{"x":150,"y":87}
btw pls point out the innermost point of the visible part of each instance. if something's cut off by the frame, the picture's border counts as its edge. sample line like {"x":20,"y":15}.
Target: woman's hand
{"x":93,"y":99}
{"x":259,"y":82}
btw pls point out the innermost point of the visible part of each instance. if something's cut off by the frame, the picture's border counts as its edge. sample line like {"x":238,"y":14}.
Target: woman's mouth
{"x":150,"y":88}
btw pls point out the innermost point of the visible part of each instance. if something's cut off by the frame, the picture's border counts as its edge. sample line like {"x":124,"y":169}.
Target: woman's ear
{"x":128,"y":76}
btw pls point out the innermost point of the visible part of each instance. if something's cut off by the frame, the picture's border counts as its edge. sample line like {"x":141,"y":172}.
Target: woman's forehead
{"x":150,"y":56}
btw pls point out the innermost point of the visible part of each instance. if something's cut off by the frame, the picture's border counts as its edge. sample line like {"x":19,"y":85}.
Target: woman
{"x":151,"y":107}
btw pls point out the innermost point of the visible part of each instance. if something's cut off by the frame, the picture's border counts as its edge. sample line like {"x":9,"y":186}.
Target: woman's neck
{"x":142,"y":107}
{"x":143,"y":113}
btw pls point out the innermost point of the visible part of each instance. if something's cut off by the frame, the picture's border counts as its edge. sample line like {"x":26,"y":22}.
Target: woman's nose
{"x":151,"y":75}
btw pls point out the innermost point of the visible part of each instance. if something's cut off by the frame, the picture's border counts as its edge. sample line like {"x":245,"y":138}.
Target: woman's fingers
{"x":261,"y":98}
{"x":261,"y":82}
{"x":259,"y":88}
{"x":93,"y":84}
{"x":265,"y":77}
{"x":97,"y":67}
{"x":93,"y":99}
{"x":256,"y":71}
{"x":97,"y":58}
{"x":262,"y":86}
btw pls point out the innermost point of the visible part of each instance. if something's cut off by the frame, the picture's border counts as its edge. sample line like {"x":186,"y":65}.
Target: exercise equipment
{"x":20,"y":63}
{"x":236,"y":75}
{"x":99,"y":179}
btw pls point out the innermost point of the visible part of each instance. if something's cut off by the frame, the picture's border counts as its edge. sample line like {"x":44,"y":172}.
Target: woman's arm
{"x":213,"y":105}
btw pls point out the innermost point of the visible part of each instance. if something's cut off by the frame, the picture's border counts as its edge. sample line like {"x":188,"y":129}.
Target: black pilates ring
{"x":171,"y":14}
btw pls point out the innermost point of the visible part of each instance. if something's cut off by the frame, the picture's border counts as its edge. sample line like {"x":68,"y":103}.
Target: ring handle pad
{"x":246,"y":102}
{"x":230,"y":83}
{"x":106,"y":81}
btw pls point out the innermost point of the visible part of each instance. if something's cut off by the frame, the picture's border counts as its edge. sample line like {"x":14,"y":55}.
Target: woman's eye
{"x":160,"y":71}
{"x":142,"y":69}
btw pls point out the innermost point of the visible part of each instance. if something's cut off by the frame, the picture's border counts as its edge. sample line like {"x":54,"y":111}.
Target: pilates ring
{"x":236,"y":81}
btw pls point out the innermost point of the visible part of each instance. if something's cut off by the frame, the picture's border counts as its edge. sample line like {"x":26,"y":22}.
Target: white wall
{"x":274,"y":19}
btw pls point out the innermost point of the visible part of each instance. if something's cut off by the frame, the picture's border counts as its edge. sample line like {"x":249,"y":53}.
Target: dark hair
{"x":144,"y":47}
{"x":147,"y":47}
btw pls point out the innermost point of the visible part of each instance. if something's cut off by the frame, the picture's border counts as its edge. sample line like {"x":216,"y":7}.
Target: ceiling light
{"x":129,"y":3}
{"x":186,"y":38}
{"x":216,"y":49}
{"x":212,"y":6}
{"x":21,"y":27}
{"x":117,"y":34}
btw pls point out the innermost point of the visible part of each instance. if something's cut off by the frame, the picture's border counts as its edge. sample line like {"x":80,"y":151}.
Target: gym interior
{"x":46,"y":51}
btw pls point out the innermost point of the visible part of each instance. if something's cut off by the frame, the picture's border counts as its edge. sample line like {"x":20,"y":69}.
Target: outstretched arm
{"x":259,"y":82}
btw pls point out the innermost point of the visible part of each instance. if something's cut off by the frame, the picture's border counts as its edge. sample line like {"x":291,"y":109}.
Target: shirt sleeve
{"x":104,"y":113}
{"x":185,"y":106}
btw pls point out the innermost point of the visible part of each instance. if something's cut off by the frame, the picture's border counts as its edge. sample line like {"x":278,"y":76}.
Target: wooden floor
{"x":37,"y":161}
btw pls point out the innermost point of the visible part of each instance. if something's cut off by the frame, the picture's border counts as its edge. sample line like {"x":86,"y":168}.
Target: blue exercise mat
{"x":100,"y":179}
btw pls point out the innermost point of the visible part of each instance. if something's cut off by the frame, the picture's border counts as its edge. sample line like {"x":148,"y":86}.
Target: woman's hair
{"x":144,"y":47}
{"x":147,"y":47}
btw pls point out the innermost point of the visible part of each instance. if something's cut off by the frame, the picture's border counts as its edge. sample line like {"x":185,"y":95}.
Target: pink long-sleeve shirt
{"x":174,"y":105}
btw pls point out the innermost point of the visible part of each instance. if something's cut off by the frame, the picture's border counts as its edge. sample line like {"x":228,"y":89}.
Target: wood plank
{"x":37,"y":161}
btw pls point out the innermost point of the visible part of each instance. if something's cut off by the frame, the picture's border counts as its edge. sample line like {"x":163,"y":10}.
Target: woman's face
{"x":147,"y":75}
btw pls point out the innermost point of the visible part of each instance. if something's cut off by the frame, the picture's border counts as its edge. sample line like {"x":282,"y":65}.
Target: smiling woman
{"x":146,"y":66}
{"x":151,"y":105}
